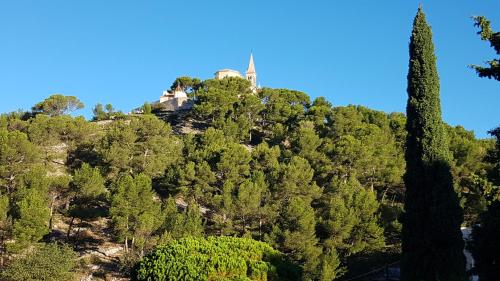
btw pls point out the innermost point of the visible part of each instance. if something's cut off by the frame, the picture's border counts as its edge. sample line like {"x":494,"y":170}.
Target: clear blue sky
{"x":352,"y":52}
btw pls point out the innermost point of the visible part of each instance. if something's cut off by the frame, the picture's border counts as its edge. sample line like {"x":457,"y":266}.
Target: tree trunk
{"x":2,"y":250}
{"x":383,"y":196}
{"x":69,"y":227}
{"x":126,"y":244}
{"x":52,"y":203}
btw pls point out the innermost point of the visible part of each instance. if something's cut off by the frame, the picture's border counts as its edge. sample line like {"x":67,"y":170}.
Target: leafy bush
{"x":215,"y":258}
{"x":49,"y":262}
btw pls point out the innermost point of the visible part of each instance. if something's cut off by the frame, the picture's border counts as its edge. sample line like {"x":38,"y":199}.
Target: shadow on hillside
{"x":378,"y":265}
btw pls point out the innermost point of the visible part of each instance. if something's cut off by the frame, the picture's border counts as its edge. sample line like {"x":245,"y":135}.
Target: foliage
{"x":487,"y":34}
{"x":180,"y":224}
{"x":322,"y":184}
{"x":187,"y":84}
{"x":57,"y":104}
{"x":17,"y":155}
{"x":135,"y":212}
{"x":484,"y":244}
{"x":146,"y":108}
{"x":143,"y":145}
{"x":31,"y":211}
{"x":350,"y":223}
{"x":216,"y":258}
{"x":470,"y":170}
{"x":49,"y":262}
{"x":106,"y":113}
{"x":45,"y":130}
{"x":87,"y":192}
{"x":432,"y":241}
{"x":493,"y":158}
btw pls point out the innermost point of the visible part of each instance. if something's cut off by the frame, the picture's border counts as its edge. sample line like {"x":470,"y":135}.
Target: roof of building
{"x":227,"y":70}
{"x":251,"y":65}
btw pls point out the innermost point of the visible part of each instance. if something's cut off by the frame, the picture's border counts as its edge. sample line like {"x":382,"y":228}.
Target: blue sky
{"x":352,"y":52}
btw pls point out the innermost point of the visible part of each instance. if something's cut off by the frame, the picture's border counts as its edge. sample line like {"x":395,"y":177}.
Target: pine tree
{"x":50,"y":262}
{"x":299,"y":237}
{"x":432,"y":241}
{"x":487,"y":34}
{"x":4,"y":225}
{"x":87,"y":193}
{"x":485,"y":245}
{"x":178,"y":224}
{"x":350,"y":221}
{"x":33,"y":219}
{"x":135,"y":212}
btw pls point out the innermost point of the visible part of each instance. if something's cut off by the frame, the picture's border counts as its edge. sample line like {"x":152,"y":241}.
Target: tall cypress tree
{"x":432,"y":241}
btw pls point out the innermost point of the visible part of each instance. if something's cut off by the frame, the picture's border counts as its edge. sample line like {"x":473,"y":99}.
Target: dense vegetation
{"x":319,"y":184}
{"x":45,"y":262}
{"x":485,"y":244}
{"x":216,"y":258}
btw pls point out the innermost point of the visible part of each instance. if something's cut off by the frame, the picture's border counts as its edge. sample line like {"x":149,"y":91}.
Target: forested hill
{"x":321,"y":184}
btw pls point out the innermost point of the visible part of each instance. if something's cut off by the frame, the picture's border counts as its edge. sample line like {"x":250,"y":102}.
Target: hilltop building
{"x":177,"y":99}
{"x":251,"y":74}
{"x":223,"y":73}
{"x":178,"y":93}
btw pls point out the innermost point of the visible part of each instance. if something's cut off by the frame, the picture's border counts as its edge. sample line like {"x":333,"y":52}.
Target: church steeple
{"x":251,"y":75}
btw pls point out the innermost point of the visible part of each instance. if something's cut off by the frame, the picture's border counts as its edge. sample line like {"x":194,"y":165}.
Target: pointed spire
{"x":251,"y":66}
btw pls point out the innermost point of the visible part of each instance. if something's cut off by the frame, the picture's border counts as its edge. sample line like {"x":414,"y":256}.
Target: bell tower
{"x":251,"y":75}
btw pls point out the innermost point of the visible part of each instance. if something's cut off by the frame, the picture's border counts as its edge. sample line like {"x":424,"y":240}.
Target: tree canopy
{"x":487,"y":34}
{"x":216,"y":258}
{"x":58,"y":104}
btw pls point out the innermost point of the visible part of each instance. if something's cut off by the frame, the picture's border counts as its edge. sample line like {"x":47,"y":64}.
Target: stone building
{"x":173,"y":100}
{"x":223,"y":73}
{"x":251,"y":74}
{"x":177,"y":93}
{"x":177,"y":99}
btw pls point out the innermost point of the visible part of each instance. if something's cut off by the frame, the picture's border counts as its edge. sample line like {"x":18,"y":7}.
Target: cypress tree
{"x":432,"y":241}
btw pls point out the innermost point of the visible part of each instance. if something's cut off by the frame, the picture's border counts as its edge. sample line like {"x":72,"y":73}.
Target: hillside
{"x":321,"y":184}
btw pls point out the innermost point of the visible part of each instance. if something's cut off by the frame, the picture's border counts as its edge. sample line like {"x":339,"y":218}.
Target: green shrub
{"x":215,"y":258}
{"x":50,"y":262}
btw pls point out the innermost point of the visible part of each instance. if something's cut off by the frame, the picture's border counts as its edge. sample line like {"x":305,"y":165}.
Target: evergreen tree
{"x":485,"y":245}
{"x":33,"y":219}
{"x":351,"y":219}
{"x":135,"y":212}
{"x":143,"y":145}
{"x":188,"y":84}
{"x":58,"y":104}
{"x":4,"y":225}
{"x":31,"y":210}
{"x":146,"y":108}
{"x":432,"y":241}
{"x":487,"y":34}
{"x":87,"y":192}
{"x":99,"y":113}
{"x":49,"y":262}
{"x":179,"y":224}
{"x":17,"y":155}
{"x":298,"y":235}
